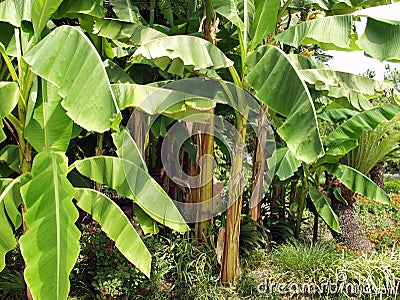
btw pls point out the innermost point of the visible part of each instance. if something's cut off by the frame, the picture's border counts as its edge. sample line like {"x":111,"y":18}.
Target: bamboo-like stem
{"x":152,"y":8}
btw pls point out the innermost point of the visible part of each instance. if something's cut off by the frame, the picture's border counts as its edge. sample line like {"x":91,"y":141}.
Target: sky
{"x":356,"y":62}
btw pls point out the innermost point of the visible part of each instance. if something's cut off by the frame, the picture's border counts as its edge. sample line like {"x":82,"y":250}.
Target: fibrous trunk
{"x":352,"y":234}
{"x":230,"y":256}
{"x":258,"y":166}
{"x":377,"y":174}
{"x":206,"y":147}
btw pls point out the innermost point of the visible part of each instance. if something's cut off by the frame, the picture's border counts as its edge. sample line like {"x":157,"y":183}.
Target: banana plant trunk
{"x":230,"y":255}
{"x":210,"y":24}
{"x":206,"y":147}
{"x":258,"y":166}
{"x":206,"y":142}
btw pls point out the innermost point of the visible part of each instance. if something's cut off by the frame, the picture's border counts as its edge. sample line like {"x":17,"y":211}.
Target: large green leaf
{"x":77,"y":70}
{"x":129,"y":33}
{"x":127,"y":148}
{"x":335,"y":153}
{"x":10,"y":200}
{"x":125,"y":10}
{"x":328,"y":80}
{"x":264,"y":21}
{"x":317,"y":32}
{"x":42,"y":11}
{"x":132,"y":181}
{"x":303,"y":62}
{"x":72,"y":9}
{"x":358,"y":182}
{"x":7,"y":239}
{"x":9,"y":93}
{"x":116,"y":225}
{"x":335,"y":116}
{"x":174,"y":53}
{"x":154,"y":100}
{"x":10,"y":155}
{"x":50,"y":128}
{"x":132,"y":95}
{"x":323,"y":206}
{"x":341,"y":7}
{"x":286,"y":163}
{"x":10,"y":196}
{"x":148,"y":225}
{"x":116,"y":74}
{"x":354,"y":127}
{"x":15,"y":11}
{"x":277,"y":83}
{"x":381,"y":40}
{"x":50,"y":247}
{"x":343,"y":98}
{"x":229,"y":10}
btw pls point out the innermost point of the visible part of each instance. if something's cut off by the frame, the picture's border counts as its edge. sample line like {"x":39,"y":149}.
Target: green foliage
{"x":392,"y":185}
{"x":267,"y":68}
{"x":87,"y":95}
{"x":181,"y":270}
{"x":357,"y":182}
{"x":12,"y":283}
{"x":105,"y":211}
{"x":251,"y":234}
{"x":102,"y":272}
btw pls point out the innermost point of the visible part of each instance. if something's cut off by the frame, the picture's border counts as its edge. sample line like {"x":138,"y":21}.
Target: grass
{"x":296,"y":271}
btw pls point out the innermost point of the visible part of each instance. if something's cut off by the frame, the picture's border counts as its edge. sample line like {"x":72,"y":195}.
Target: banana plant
{"x":48,"y":87}
{"x":177,"y":60}
{"x":262,"y":74}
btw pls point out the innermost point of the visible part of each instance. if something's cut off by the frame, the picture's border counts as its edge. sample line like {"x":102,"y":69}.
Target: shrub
{"x":392,"y":185}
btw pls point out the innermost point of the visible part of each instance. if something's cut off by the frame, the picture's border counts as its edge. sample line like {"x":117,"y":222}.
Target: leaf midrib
{"x":58,"y":229}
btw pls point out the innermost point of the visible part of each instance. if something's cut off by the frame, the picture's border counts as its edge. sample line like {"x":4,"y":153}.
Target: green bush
{"x":102,"y":272}
{"x":392,"y":185}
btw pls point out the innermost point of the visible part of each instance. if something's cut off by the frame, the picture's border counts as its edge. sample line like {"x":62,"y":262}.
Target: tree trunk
{"x":230,"y":255}
{"x":377,"y":174}
{"x":210,"y":23}
{"x":352,"y":234}
{"x":206,"y":142}
{"x":259,"y":158}
{"x":206,"y":147}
